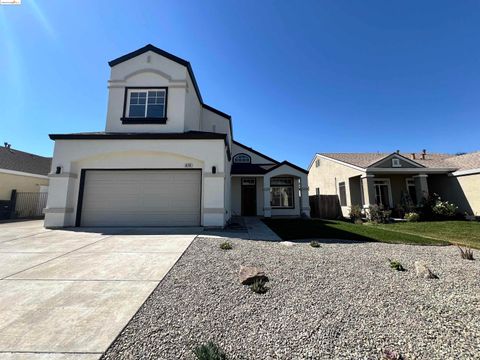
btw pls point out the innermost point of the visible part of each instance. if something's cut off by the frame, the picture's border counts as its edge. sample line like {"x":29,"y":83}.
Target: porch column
{"x":267,"y":207}
{"x":59,"y":210}
{"x":305,"y":202}
{"x":368,"y":190}
{"x":421,"y":186}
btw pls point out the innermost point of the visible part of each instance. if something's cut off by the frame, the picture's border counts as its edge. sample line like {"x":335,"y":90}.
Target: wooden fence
{"x":325,"y":207}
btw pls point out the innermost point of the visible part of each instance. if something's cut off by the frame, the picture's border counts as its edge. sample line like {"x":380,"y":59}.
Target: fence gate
{"x":325,"y":206}
{"x":30,"y":204}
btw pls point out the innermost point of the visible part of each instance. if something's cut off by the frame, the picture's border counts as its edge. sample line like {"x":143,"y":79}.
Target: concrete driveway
{"x":66,"y":294}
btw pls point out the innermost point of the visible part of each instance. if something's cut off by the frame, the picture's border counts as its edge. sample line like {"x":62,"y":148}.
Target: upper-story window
{"x":242,"y":159}
{"x":147,"y":106}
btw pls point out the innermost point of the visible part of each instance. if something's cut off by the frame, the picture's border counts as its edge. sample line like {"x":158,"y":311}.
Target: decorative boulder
{"x":423,"y":271}
{"x":249,"y":274}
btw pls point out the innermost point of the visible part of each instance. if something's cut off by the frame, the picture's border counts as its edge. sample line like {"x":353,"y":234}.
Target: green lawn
{"x":422,"y":233}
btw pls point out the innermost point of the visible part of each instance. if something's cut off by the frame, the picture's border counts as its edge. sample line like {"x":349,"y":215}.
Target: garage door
{"x":141,"y":198}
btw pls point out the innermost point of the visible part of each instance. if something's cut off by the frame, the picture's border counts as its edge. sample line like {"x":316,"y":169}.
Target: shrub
{"x":226,"y":246}
{"x":315,"y":244}
{"x":209,"y":351}
{"x":355,"y":212}
{"x":444,"y":208}
{"x":395,"y":265}
{"x":466,"y":253}
{"x":433,"y":208}
{"x":259,"y":287}
{"x":412,"y":217}
{"x":378,"y":214}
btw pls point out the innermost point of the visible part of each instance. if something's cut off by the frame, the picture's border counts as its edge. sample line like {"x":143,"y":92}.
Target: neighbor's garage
{"x":140,"y":198}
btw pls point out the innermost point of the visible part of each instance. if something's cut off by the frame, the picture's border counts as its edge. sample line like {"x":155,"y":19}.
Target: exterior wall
{"x":470,"y":185}
{"x":211,"y":122}
{"x":75,"y":155}
{"x":256,"y":159}
{"x":9,"y":182}
{"x":193,"y":108}
{"x":152,"y":70}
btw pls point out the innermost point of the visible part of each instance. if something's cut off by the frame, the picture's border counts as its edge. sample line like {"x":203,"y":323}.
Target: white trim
{"x":410,"y":170}
{"x":389,"y":186}
{"x":466,"y":172}
{"x":21,"y":173}
{"x":396,"y":162}
{"x":401,"y":157}
{"x":420,"y":176}
{"x":336,"y":161}
{"x":366,"y":176}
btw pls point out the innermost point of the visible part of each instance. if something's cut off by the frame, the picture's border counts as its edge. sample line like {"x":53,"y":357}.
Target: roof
{"x":255,"y":152}
{"x":365,"y":160}
{"x":178,"y":60}
{"x":250,"y":169}
{"x":16,"y":160}
{"x":466,"y":161}
{"x":190,"y":135}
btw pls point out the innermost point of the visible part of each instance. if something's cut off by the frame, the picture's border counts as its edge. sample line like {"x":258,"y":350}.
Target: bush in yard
{"x":433,"y":208}
{"x":259,"y":287}
{"x":378,"y":214}
{"x":395,"y":265}
{"x":209,"y":351}
{"x":444,"y":208}
{"x":315,"y":244}
{"x":466,"y":253}
{"x":412,"y":217}
{"x":226,"y":246}
{"x":355,"y":213}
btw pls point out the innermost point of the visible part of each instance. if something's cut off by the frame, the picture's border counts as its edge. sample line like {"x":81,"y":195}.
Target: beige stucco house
{"x":165,"y":158}
{"x":390,"y":179}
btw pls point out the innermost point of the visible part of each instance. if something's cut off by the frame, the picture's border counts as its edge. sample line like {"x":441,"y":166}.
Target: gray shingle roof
{"x":13,"y":159}
{"x":466,"y":162}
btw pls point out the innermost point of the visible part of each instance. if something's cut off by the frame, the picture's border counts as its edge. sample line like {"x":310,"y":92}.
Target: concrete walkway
{"x":257,"y":230}
{"x":245,"y":227}
{"x":66,"y":294}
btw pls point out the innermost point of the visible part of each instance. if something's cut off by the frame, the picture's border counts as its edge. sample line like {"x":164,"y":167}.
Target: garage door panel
{"x":141,"y":198}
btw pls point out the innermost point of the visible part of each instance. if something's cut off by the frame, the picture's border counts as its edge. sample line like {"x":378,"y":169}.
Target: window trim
{"x":249,"y":157}
{"x":143,"y":120}
{"x":386,"y":181}
{"x":396,"y":163}
{"x":283,"y":186}
{"x":344,"y":185}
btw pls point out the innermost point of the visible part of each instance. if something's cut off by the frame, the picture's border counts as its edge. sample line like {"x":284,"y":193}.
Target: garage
{"x":139,"y":198}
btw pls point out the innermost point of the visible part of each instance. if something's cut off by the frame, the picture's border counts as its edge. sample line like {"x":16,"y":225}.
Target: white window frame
{"x":340,"y":193}
{"x":290,"y":184}
{"x":396,"y":163}
{"x":145,"y":90}
{"x":249,"y":181}
{"x":384,"y":181}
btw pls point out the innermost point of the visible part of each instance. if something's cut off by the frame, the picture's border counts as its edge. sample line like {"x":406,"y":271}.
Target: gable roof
{"x":365,"y":160}
{"x":466,"y":161}
{"x":287,"y":163}
{"x":16,"y":160}
{"x":255,"y":152}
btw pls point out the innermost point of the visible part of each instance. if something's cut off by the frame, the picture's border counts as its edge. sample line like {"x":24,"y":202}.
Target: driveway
{"x":66,"y":294}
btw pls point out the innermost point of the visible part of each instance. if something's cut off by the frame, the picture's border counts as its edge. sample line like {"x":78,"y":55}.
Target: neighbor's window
{"x":147,"y":103}
{"x":281,"y":192}
{"x":396,"y":163}
{"x":342,"y":193}
{"x":242,"y":159}
{"x":317,"y":163}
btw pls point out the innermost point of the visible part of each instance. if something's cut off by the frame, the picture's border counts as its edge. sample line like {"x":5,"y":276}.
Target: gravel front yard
{"x":341,"y":300}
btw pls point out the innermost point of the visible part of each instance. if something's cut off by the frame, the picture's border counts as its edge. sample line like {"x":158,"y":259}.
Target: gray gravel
{"x":339,"y":301}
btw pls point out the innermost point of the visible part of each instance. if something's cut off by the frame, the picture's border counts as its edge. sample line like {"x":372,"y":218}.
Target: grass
{"x":421,"y":233}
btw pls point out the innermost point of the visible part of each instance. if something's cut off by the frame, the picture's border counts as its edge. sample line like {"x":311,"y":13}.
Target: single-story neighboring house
{"x":22,"y":173}
{"x":393,"y":179}
{"x":165,"y":158}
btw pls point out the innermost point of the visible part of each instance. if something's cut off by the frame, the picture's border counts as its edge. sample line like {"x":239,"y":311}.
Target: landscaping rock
{"x":248,"y":275}
{"x":423,"y":271}
{"x":287,"y":243}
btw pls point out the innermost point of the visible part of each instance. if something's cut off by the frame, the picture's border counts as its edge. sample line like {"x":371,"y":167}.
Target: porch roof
{"x":250,"y":169}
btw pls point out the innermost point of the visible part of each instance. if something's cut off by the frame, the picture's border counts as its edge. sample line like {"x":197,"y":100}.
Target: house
{"x":20,"y":172}
{"x":395,"y":179}
{"x":165,"y":158}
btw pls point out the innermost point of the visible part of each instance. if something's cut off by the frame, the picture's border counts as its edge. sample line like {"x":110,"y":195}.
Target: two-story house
{"x":165,"y":158}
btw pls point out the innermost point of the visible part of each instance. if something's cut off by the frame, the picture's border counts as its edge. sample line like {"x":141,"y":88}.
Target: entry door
{"x":249,"y":197}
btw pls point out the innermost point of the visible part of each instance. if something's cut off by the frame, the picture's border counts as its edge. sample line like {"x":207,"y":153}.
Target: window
{"x":396,"y":163}
{"x":248,"y":181}
{"x":147,"y":104}
{"x":382,"y":193}
{"x":281,"y":192}
{"x":412,"y":192}
{"x":317,"y":163}
{"x":342,"y":194}
{"x":242,"y":159}
{"x":317,"y":191}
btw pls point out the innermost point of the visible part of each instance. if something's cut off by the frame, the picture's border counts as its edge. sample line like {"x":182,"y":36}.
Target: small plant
{"x":226,"y":246}
{"x":209,"y":351}
{"x":355,"y":213}
{"x":378,"y":214}
{"x":412,"y":217}
{"x":315,"y":244}
{"x":395,"y":265}
{"x":258,"y":287}
{"x":392,"y":355}
{"x":466,"y":253}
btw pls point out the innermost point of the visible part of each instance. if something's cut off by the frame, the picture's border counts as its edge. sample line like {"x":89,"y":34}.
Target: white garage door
{"x":141,"y":198}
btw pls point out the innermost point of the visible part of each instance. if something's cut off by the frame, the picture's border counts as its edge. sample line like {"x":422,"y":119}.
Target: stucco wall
{"x":9,"y":182}
{"x":256,"y":159}
{"x":470,"y":185}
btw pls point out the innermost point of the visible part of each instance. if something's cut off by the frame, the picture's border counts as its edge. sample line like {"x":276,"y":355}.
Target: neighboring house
{"x":165,"y":158}
{"x":22,"y":171}
{"x":393,"y":179}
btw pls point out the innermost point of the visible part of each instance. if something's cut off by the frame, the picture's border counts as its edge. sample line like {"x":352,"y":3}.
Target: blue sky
{"x":297,"y":77}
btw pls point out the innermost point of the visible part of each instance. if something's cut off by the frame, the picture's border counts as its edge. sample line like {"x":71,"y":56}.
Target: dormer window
{"x":145,"y":106}
{"x":242,"y":159}
{"x":396,"y":162}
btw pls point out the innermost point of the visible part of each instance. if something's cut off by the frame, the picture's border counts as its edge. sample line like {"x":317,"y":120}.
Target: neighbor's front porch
{"x":282,"y":191}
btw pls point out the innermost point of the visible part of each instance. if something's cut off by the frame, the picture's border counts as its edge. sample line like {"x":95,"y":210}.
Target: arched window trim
{"x":242,"y":155}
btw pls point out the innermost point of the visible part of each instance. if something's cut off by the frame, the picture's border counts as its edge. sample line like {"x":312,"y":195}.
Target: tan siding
{"x":8,"y":182}
{"x":470,"y":185}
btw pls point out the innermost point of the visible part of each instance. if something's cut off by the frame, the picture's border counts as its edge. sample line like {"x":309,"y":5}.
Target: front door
{"x":249,"y":197}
